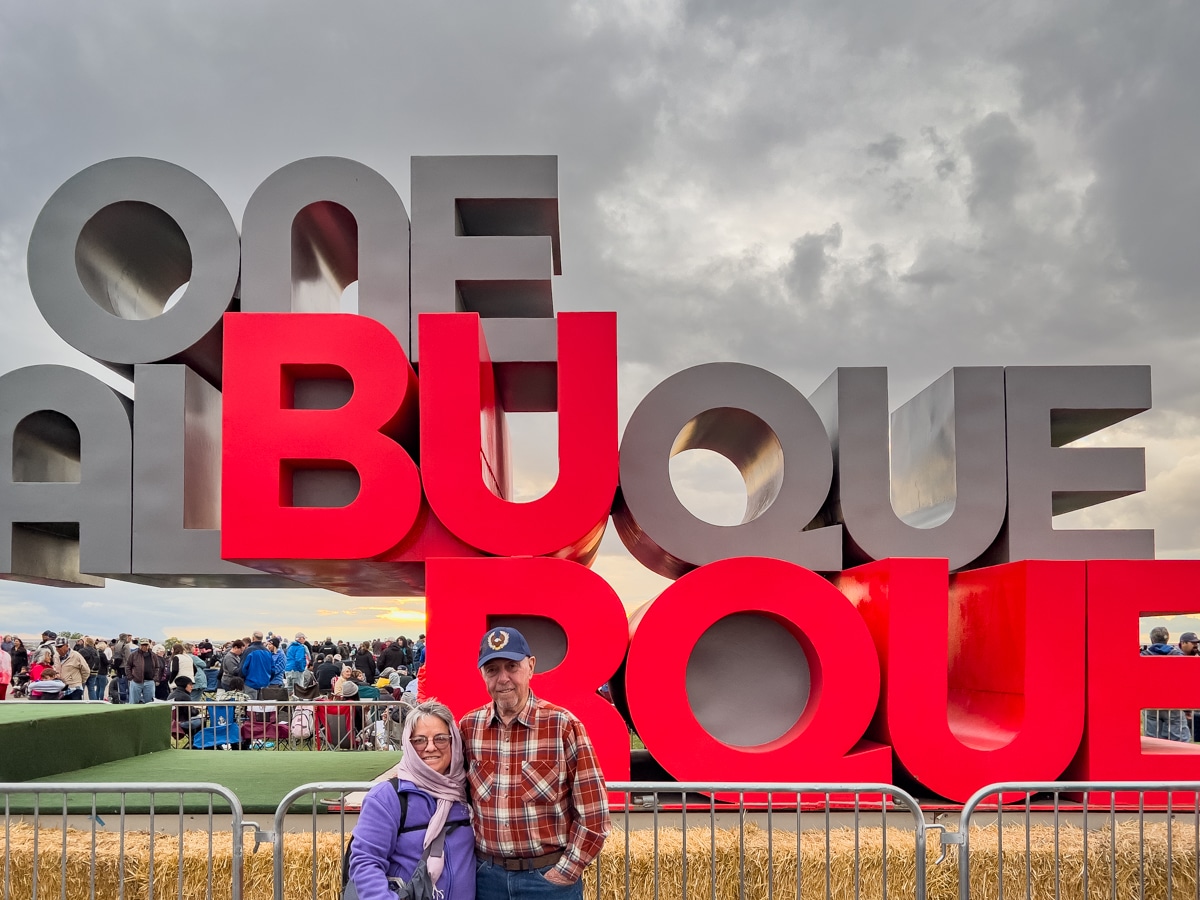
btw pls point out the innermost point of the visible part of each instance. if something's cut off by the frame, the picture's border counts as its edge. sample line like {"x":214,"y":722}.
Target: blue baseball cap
{"x":502,"y":642}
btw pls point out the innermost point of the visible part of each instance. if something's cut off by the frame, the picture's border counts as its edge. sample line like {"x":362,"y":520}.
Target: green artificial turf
{"x":28,"y":712}
{"x":259,"y":778}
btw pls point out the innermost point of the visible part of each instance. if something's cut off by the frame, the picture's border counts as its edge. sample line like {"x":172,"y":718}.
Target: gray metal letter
{"x":1048,"y":407}
{"x":943,"y":494}
{"x":111,"y":246}
{"x":485,"y":239}
{"x":317,"y":225}
{"x":177,"y":484}
{"x":766,"y":428}
{"x":65,"y":467}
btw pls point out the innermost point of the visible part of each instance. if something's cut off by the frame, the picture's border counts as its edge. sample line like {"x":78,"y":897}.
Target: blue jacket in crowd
{"x":297,"y":657}
{"x":258,"y":664}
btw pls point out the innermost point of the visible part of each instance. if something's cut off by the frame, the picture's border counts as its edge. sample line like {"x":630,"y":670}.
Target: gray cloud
{"x":794,"y":185}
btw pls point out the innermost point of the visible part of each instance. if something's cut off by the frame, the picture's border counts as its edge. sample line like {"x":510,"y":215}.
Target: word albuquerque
{"x":276,"y":441}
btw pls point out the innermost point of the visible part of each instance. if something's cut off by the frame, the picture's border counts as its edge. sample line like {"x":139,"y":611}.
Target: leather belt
{"x":522,"y":864}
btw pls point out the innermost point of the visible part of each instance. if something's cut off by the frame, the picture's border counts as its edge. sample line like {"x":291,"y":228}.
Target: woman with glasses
{"x":418,"y":825}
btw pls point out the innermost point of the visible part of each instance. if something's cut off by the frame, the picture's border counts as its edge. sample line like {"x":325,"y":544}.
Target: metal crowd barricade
{"x":674,"y":840}
{"x":334,"y":802}
{"x":70,"y":840}
{"x":328,"y":723}
{"x":1080,"y":846}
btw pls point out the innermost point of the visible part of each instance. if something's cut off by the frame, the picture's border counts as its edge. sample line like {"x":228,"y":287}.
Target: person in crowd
{"x":278,"y":660}
{"x":347,"y":690}
{"x":42,"y":669}
{"x":181,"y":664}
{"x":20,"y":661}
{"x":1189,"y":645}
{"x":204,"y":650}
{"x":366,"y":690}
{"x":231,"y":664}
{"x":72,"y":669}
{"x":91,"y":656}
{"x":327,"y":671}
{"x":104,"y":654}
{"x":393,"y":656}
{"x":1168,"y":724}
{"x":258,"y":666}
{"x":235,"y":693}
{"x":122,"y":647}
{"x":423,"y":816}
{"x":162,"y":688}
{"x":142,"y":668}
{"x":529,"y":839}
{"x":403,"y":679}
{"x":297,"y":659}
{"x":189,"y":719}
{"x":365,"y":662}
{"x":6,"y":670}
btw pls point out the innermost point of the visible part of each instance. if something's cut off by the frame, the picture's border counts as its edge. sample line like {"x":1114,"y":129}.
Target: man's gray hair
{"x":1159,"y":635}
{"x":435,"y":710}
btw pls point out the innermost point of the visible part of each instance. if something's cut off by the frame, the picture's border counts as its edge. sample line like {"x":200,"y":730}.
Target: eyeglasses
{"x":420,"y":742}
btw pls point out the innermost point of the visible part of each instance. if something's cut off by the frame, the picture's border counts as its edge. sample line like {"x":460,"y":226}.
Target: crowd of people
{"x":129,"y":669}
{"x":507,"y":802}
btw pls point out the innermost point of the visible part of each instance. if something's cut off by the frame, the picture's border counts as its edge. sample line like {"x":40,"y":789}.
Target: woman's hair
{"x":357,"y":675}
{"x":364,"y":647}
{"x":17,"y":640}
{"x":44,"y":655}
{"x":433,"y":709}
{"x":177,"y":650}
{"x":89,"y":642}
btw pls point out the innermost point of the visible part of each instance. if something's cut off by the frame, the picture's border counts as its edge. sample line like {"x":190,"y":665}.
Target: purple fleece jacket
{"x":379,"y":853}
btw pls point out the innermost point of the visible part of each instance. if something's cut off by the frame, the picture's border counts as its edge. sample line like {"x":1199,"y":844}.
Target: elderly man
{"x":143,"y":667}
{"x":537,"y":793}
{"x":72,"y":668}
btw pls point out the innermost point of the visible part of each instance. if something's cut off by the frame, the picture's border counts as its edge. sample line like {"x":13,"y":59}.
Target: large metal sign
{"x":276,"y":441}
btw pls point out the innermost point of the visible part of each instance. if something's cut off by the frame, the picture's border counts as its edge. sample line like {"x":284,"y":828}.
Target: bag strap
{"x":403,"y":797}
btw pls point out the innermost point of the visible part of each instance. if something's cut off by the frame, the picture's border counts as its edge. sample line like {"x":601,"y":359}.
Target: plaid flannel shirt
{"x":535,"y":785}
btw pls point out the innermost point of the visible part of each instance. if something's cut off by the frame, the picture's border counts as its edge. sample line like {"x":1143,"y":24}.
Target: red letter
{"x":457,"y":385}
{"x":267,"y":439}
{"x":1120,"y":683}
{"x":823,"y":745}
{"x":469,"y":596}
{"x":1002,"y":699}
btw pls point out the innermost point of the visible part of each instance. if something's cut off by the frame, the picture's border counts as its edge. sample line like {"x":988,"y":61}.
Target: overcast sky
{"x":797,"y":185}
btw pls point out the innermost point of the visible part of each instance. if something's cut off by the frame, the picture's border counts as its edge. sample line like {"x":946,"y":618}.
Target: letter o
{"x":824,"y":743}
{"x":766,"y":428}
{"x":112,"y":244}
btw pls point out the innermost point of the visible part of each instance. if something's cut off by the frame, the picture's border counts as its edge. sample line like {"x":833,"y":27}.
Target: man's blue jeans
{"x":495,"y":883}
{"x":1166,"y":724}
{"x":141,"y":693}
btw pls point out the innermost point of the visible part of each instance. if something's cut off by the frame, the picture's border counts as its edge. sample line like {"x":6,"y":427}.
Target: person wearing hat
{"x":143,"y":669}
{"x":185,"y":717}
{"x":1189,"y":645}
{"x":72,"y":669}
{"x":537,"y":793}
